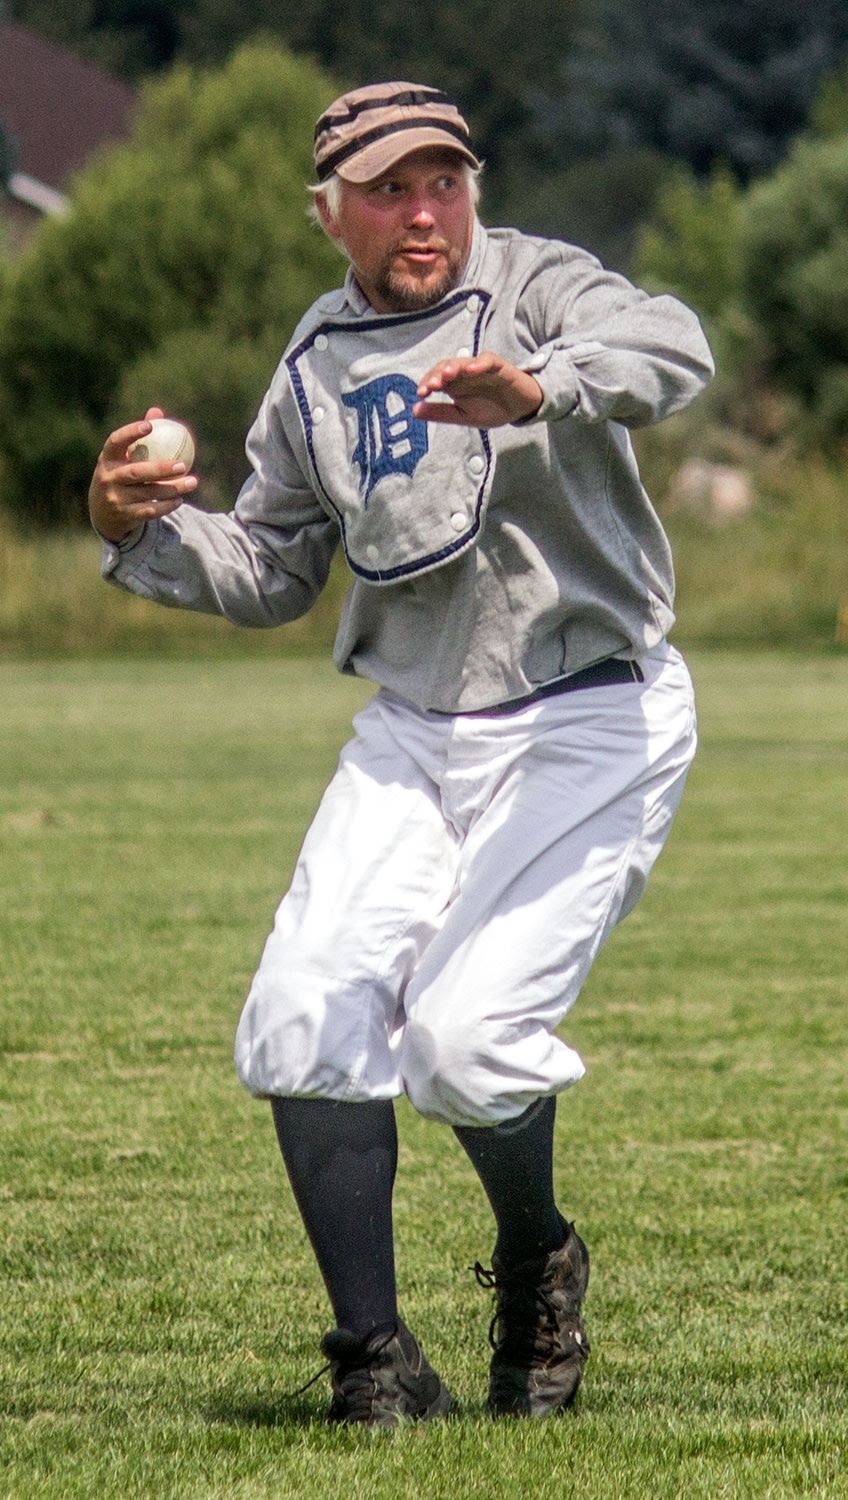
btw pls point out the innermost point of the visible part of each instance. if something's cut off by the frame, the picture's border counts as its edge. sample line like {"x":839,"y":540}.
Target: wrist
{"x":129,"y":534}
{"x":532,"y":396}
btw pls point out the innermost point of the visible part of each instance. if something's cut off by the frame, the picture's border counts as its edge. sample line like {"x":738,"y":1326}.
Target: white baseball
{"x":169,"y":442}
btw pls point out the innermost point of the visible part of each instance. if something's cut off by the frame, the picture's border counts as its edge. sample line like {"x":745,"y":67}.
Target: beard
{"x":403,"y":293}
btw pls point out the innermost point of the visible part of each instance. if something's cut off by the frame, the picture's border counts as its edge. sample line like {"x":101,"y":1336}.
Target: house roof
{"x":57,"y":108}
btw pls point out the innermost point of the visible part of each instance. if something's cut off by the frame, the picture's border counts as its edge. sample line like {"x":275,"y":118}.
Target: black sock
{"x":341,"y":1160}
{"x":514,"y":1162}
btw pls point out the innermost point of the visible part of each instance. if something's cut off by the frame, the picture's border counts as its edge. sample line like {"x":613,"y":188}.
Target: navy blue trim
{"x":383,"y":320}
{"x":432,"y":559}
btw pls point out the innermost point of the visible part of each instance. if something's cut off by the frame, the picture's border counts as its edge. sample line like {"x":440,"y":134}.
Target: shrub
{"x":692,"y":246}
{"x":794,"y":250}
{"x":187,"y":247}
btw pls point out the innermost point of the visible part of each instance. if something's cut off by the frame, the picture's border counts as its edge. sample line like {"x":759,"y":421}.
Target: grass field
{"x":158,"y":1301}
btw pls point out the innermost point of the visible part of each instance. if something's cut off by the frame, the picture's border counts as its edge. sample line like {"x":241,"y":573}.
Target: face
{"x":408,"y":233}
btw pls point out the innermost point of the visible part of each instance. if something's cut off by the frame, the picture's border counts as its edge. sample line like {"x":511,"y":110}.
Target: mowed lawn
{"x":158,"y":1302}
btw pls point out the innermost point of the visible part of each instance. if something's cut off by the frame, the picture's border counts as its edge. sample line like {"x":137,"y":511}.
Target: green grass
{"x":87,"y":619}
{"x":158,"y":1300}
{"x":776,"y":577}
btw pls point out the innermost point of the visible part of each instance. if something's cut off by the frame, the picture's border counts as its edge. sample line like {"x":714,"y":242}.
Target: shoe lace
{"x":354,"y":1375}
{"x":356,"y":1390}
{"x":354,"y":1380}
{"x":525,"y":1316}
{"x":290,"y":1395}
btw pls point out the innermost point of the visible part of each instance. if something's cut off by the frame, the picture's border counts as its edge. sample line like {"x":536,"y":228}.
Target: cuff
{"x":139,"y":541}
{"x":555,"y":367}
{"x":555,"y":374}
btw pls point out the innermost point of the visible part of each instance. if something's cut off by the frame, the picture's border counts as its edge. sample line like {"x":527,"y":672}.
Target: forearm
{"x":253,"y":575}
{"x":602,"y":349}
{"x":641,"y":366}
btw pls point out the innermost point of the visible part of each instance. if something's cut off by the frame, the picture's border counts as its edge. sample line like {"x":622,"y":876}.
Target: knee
{"x":480,"y":1069}
{"x":285,"y":1045}
{"x":447,"y":1073}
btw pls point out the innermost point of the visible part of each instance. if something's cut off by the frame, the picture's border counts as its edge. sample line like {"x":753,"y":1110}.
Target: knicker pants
{"x":459,"y":878}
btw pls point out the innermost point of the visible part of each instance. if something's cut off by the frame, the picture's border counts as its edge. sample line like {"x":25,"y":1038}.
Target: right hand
{"x":123,"y":493}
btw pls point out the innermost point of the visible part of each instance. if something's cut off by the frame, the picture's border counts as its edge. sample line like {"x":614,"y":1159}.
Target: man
{"x":456,"y":415}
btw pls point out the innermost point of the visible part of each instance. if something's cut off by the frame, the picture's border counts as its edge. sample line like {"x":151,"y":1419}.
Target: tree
{"x":474,"y":49}
{"x":127,"y":37}
{"x":794,"y":276}
{"x":655,"y":85}
{"x":8,"y":155}
{"x":186,"y":258}
{"x":829,"y":115}
{"x":702,"y":81}
{"x":767,"y":265}
{"x":692,"y":245}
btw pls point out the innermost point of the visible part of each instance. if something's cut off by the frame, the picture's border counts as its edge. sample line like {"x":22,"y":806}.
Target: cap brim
{"x":372,"y":161}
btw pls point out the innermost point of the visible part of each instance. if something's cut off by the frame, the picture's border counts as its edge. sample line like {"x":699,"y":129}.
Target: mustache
{"x":404,"y":246}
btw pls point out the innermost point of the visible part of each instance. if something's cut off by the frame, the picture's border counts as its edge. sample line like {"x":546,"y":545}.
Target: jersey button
{"x":463,"y":353}
{"x":322,"y":342}
{"x":318,"y":413}
{"x":473,"y":303}
{"x":457,"y":521}
{"x":372,"y":552}
{"x":476,"y":464}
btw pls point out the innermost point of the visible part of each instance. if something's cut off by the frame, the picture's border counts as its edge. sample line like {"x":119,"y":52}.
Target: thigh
{"x":558,"y":854}
{"x":377,"y":866}
{"x":372,"y":881}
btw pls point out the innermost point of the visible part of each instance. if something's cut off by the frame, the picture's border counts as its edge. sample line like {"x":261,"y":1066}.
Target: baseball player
{"x":455,"y":417}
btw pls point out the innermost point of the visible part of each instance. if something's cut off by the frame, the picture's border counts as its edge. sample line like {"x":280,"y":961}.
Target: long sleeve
{"x":261,"y":565}
{"x":603,"y":349}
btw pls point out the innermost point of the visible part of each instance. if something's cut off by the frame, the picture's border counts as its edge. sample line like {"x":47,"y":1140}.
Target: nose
{"x":420,"y":212}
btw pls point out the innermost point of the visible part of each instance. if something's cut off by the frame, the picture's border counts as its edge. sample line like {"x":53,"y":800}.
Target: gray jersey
{"x":484,"y":562}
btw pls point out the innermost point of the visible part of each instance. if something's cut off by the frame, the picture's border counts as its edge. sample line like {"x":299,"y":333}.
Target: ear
{"x":330,"y":224}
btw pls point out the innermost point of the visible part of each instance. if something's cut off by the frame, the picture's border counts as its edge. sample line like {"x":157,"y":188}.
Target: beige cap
{"x":365,"y":132}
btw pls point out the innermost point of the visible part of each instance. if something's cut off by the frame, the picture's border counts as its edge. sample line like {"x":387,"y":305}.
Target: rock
{"x":718,"y":492}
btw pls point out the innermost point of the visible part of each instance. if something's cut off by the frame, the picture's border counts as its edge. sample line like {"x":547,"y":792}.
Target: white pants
{"x":453,"y":890}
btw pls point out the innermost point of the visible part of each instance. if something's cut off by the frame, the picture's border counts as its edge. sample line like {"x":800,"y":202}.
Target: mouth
{"x":420,"y":255}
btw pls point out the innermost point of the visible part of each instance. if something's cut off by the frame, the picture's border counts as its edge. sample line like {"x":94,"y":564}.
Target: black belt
{"x":602,"y":674}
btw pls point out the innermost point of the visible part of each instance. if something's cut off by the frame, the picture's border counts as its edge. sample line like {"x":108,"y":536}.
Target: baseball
{"x":169,"y":442}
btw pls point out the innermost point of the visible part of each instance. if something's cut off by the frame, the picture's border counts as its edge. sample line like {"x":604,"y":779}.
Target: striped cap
{"x":365,"y":132}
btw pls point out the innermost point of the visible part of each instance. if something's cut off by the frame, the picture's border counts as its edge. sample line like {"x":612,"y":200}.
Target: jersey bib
{"x":408,"y":495}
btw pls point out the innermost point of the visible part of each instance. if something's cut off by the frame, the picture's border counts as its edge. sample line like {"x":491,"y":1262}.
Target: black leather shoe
{"x":382,"y":1380}
{"x":537,"y":1333}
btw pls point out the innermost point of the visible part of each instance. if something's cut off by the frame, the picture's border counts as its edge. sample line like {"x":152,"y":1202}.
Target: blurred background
{"x":154,"y":248}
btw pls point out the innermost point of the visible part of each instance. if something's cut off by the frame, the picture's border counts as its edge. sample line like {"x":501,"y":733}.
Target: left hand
{"x":485,"y":391}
